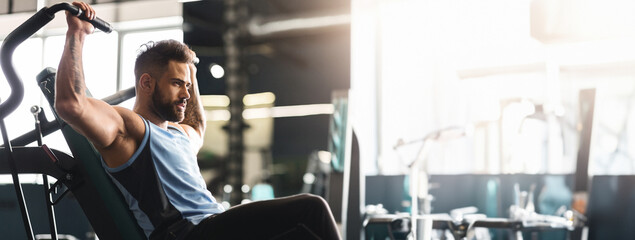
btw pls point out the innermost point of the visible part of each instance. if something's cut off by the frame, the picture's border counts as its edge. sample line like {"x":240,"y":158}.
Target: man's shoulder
{"x":128,"y":139}
{"x":134,"y":127}
{"x":122,"y":110}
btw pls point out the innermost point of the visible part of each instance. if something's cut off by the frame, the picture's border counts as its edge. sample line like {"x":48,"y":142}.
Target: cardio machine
{"x":82,"y":173}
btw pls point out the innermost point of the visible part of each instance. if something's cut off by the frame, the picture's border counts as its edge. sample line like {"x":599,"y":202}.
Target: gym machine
{"x":81,"y":174}
{"x":461,"y":223}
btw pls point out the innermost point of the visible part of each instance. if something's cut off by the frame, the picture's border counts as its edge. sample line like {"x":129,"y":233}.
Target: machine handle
{"x":19,"y":35}
{"x":97,"y":22}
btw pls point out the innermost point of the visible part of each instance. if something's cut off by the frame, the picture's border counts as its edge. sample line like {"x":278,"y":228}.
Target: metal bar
{"x":49,"y":208}
{"x":297,"y":25}
{"x":16,"y":182}
{"x":236,"y":90}
{"x":119,"y":61}
{"x":29,"y":137}
{"x":587,"y":105}
{"x":37,"y":114}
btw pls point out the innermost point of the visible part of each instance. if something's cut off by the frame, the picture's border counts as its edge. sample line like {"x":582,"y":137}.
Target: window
{"x":21,"y":120}
{"x":100,"y":61}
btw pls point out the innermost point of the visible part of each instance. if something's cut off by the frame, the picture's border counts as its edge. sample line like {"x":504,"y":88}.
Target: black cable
{"x":16,"y":182}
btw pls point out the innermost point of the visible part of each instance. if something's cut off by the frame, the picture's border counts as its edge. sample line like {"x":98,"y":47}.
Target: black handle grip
{"x":101,"y":25}
{"x":74,"y":10}
{"x":97,"y":22}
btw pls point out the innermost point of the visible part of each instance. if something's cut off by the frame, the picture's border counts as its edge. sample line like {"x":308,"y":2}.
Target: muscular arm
{"x":93,"y":118}
{"x":194,"y":123}
{"x":104,"y":125}
{"x":71,"y":101}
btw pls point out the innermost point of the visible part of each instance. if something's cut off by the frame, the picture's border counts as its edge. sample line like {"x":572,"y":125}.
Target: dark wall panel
{"x":298,"y":68}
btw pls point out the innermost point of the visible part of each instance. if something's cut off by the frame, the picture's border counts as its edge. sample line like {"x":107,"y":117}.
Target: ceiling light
{"x":217,"y":71}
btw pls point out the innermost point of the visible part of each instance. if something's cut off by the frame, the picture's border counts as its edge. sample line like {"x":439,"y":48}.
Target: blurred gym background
{"x":540,"y":92}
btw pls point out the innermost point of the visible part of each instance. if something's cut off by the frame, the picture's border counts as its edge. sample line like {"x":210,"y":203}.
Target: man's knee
{"x":314,"y":201}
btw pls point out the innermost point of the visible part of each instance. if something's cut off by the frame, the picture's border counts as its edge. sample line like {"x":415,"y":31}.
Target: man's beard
{"x":166,"y":109}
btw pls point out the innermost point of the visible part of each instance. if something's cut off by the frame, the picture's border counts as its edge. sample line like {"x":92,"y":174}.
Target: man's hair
{"x":153,"y":57}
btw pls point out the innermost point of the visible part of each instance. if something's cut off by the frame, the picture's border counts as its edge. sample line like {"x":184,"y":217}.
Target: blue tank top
{"x":162,"y":183}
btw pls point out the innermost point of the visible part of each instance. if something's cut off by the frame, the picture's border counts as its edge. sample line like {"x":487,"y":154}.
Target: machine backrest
{"x":97,"y":195}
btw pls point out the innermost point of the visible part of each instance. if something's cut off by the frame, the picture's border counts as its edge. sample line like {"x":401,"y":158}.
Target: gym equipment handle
{"x":19,"y":35}
{"x":74,"y":10}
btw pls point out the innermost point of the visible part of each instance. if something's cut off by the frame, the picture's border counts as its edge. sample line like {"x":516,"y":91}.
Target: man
{"x":150,"y":151}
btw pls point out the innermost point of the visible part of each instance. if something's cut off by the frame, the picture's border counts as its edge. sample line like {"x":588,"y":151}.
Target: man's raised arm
{"x":194,"y":122}
{"x":93,"y":118}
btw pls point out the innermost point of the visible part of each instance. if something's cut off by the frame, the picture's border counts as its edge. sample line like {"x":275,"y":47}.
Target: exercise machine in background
{"x":336,"y":174}
{"x":457,"y":195}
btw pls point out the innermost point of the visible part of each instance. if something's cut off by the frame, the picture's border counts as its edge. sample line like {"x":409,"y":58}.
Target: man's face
{"x":171,"y":92}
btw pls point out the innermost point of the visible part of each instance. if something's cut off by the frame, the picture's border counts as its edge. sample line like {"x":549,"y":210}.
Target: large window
{"x":430,"y":65}
{"x":99,"y":59}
